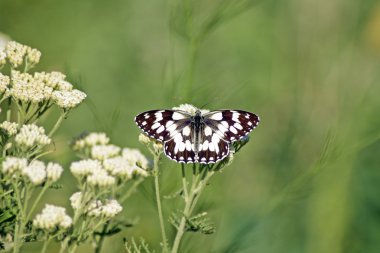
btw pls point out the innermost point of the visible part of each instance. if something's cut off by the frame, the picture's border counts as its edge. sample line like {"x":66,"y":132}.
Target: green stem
{"x":184,"y":182}
{"x":159,"y":208}
{"x":132,"y":189}
{"x":58,"y":123}
{"x":186,"y":211}
{"x":99,"y":244}
{"x":46,"y":186}
{"x":45,"y":245}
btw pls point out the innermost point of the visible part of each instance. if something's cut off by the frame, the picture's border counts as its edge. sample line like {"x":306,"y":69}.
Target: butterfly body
{"x":203,"y":137}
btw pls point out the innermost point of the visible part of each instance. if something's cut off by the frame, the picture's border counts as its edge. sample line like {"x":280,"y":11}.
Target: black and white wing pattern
{"x":162,"y":125}
{"x":203,"y":138}
{"x":231,"y":125}
{"x":181,"y":147}
{"x":221,"y":128}
{"x":212,"y":148}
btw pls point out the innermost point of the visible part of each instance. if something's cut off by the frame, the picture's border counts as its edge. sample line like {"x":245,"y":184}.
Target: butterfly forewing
{"x":231,"y":125}
{"x":162,"y":125}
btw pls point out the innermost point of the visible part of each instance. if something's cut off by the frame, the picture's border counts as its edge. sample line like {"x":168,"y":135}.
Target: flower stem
{"x":45,"y":245}
{"x":58,"y":123}
{"x":46,"y":186}
{"x":159,"y":207}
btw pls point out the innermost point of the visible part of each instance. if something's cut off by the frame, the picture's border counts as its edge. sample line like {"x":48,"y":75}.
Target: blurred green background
{"x":308,"y":181}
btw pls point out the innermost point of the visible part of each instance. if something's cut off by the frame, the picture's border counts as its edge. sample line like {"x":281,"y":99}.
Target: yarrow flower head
{"x":33,"y":55}
{"x":13,"y":164}
{"x":76,"y":200}
{"x":32,"y":135}
{"x":26,"y":88}
{"x":3,"y":57}
{"x":15,"y":53}
{"x":85,"y":167}
{"x":53,"y":171}
{"x":111,"y":208}
{"x":52,"y":217}
{"x":134,"y":156}
{"x":107,"y":210}
{"x":100,"y":178}
{"x":90,"y":140}
{"x":35,"y":172}
{"x":189,"y":109}
{"x":68,"y":99}
{"x":10,"y":128}
{"x":4,"y":81}
{"x":122,"y":167}
{"x":101,"y":152}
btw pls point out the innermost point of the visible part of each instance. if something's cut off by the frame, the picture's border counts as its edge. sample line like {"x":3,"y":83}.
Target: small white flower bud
{"x":4,"y":81}
{"x":68,"y":99}
{"x":85,"y":167}
{"x":32,"y":135}
{"x":101,"y":152}
{"x":53,"y":171}
{"x":51,"y":217}
{"x":35,"y":172}
{"x":12,"y":164}
{"x":111,"y":208}
{"x":100,"y":178}
{"x":135,"y":157}
{"x":15,"y":53}
{"x":9,"y":127}
{"x":144,"y":139}
{"x":76,"y":200}
{"x":33,"y":55}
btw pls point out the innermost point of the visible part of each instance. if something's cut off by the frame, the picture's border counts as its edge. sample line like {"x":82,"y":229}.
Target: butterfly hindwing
{"x":181,"y":147}
{"x":162,"y":125}
{"x":231,"y":125}
{"x":212,"y":147}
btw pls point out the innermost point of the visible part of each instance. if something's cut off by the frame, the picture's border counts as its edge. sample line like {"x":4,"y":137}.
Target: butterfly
{"x":199,"y":137}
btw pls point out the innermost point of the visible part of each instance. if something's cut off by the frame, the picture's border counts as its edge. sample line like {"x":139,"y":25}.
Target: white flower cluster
{"x":52,"y":217}
{"x":4,"y":81}
{"x":68,"y":99}
{"x":9,"y":127}
{"x":101,"y":178}
{"x":3,"y":57}
{"x":33,"y":55}
{"x":12,"y":164}
{"x":38,"y":87}
{"x":101,"y":152}
{"x":32,"y":135}
{"x":15,"y":53}
{"x":90,"y":140}
{"x":36,"y":171}
{"x":134,"y":156}
{"x":189,"y":109}
{"x":93,"y":171}
{"x":25,"y":87}
{"x":123,"y":167}
{"x":108,"y":162}
{"x":96,"y":208}
{"x":85,"y":167}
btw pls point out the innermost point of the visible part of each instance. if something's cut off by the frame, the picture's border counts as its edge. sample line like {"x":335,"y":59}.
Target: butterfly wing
{"x":231,"y":125}
{"x":212,"y":147}
{"x":162,"y":125}
{"x":181,"y":147}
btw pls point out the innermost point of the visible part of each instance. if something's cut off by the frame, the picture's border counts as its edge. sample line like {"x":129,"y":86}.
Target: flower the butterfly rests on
{"x":191,"y":135}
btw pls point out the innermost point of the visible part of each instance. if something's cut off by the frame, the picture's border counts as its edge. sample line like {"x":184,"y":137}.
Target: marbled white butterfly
{"x":200,"y":137}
